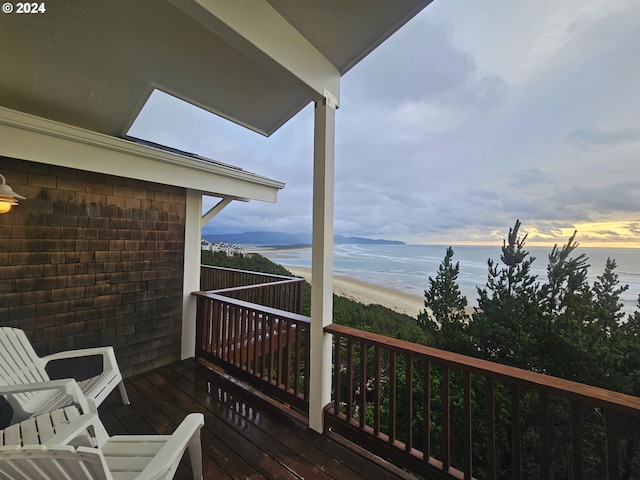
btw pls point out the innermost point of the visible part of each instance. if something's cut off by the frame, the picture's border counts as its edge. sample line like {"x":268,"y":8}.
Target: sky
{"x":472,"y":115}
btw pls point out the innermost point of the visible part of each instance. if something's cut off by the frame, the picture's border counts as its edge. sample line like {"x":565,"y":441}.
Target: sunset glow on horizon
{"x":618,"y":234}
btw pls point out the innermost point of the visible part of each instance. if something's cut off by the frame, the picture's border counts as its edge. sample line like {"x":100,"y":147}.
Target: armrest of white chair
{"x":66,"y":385}
{"x":186,"y":435}
{"x":108,"y":356}
{"x":78,"y":427}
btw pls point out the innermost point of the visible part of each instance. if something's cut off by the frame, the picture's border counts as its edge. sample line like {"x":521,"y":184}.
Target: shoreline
{"x":368,"y":293}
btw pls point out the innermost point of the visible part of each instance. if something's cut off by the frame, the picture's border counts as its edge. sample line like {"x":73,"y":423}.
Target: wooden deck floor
{"x":245,"y":436}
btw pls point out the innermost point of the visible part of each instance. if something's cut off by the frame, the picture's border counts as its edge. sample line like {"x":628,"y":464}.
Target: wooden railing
{"x":275,"y":291}
{"x":262,"y":345}
{"x":448,"y":416}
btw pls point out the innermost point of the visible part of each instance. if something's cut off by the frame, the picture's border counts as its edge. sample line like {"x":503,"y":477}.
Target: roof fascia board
{"x":256,"y":29}
{"x":28,"y":137}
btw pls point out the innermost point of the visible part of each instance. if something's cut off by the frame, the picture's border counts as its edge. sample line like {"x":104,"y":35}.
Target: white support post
{"x":191,"y":282}
{"x":322,"y":261}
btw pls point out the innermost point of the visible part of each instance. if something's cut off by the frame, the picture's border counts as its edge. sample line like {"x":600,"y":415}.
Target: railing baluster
{"x":491,"y":428}
{"x":279,"y":353}
{"x":296,"y":360}
{"x":426,"y":408}
{"x":392,"y":396}
{"x":545,"y":436}
{"x":256,"y":342}
{"x":516,"y":434}
{"x":337,"y":387}
{"x":272,"y":347}
{"x":613,"y":462}
{"x":466,"y":424}
{"x":408,"y":395}
{"x":445,"y":395}
{"x":263,"y":346}
{"x":286,"y":354}
{"x":576,"y":441}
{"x":307,"y":360}
{"x":249,"y":336}
{"x":242,"y":337}
{"x":214,"y":337}
{"x":237,"y":313}
{"x":363,"y":384}
{"x":224,"y":322}
{"x":202,"y":312}
{"x":289,"y":354}
{"x":376,"y":391}
{"x":349,"y":398}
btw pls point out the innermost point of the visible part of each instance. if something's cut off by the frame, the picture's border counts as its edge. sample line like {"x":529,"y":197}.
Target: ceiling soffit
{"x":93,"y":64}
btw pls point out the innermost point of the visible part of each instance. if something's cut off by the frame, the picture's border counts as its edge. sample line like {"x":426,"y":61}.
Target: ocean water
{"x":407,"y":268}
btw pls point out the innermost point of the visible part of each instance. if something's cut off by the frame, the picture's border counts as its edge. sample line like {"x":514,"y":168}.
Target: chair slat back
{"x":19,"y":364}
{"x":36,"y":462}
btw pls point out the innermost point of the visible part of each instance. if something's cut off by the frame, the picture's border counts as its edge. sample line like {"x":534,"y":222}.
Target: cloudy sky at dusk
{"x":472,"y":115}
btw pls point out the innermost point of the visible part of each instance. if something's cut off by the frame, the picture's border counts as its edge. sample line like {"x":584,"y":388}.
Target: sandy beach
{"x":368,"y":293}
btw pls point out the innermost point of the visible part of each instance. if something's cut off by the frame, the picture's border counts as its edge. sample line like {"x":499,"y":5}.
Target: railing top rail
{"x":566,"y":388}
{"x":272,"y":275}
{"x":252,"y":306}
{"x":255,"y":286}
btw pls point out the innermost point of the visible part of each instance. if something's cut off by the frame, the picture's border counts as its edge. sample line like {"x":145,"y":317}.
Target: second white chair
{"x":24,"y":379}
{"x":121,"y":457}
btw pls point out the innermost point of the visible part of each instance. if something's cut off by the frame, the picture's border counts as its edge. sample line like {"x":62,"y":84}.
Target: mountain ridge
{"x":264,"y":238}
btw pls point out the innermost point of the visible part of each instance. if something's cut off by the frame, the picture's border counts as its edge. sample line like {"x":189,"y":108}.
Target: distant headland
{"x":262,"y":238}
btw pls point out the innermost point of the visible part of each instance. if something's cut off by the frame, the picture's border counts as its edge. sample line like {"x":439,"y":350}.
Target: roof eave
{"x":28,"y":137}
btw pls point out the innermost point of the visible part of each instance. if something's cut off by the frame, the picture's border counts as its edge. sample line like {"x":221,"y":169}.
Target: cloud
{"x":531,"y":177}
{"x":596,"y":137}
{"x":470,"y":116}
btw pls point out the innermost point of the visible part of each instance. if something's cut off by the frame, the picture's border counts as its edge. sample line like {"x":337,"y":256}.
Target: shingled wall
{"x":90,"y":259}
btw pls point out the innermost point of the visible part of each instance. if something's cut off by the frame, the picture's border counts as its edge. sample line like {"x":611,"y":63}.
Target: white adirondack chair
{"x":37,"y":430}
{"x":122,"y":457}
{"x":24,"y":381}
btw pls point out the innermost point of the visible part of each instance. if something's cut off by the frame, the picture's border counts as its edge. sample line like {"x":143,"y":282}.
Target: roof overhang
{"x":94,"y":63}
{"x":27,"y":137}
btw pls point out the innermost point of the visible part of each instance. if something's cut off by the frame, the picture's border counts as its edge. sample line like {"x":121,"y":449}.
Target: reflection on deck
{"x":246,"y":435}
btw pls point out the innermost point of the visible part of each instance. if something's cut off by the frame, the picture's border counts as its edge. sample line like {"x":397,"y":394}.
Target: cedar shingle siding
{"x":90,"y":259}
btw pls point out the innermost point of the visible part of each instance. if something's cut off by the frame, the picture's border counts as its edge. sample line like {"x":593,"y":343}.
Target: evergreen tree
{"x":608,"y":352}
{"x":569,"y":305}
{"x":567,"y":291}
{"x":608,"y":308}
{"x":629,"y":361}
{"x":507,"y":324}
{"x":444,"y":317}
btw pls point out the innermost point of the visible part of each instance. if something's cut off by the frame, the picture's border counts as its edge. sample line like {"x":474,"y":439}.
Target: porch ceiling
{"x":93,"y":64}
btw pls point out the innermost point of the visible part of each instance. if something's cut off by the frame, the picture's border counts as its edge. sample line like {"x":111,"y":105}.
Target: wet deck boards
{"x":245,"y":436}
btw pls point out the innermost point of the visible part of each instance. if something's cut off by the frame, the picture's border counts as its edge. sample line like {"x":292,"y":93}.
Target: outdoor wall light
{"x":8,"y":198}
